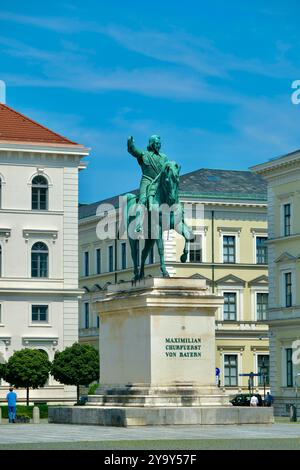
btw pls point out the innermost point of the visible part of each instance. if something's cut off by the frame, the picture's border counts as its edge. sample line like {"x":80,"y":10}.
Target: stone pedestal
{"x":157,"y":359}
{"x":157,"y":344}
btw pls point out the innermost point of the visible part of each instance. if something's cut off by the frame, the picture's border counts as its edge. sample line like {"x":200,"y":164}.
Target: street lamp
{"x":296,"y":386}
{"x":264,"y":371}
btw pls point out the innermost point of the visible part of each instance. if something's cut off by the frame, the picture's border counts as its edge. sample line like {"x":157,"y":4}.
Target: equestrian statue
{"x":156,"y":208}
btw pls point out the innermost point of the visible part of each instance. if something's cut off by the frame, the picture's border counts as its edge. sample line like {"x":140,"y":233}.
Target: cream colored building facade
{"x":229,"y":253}
{"x":38,"y":244}
{"x":283,"y":177}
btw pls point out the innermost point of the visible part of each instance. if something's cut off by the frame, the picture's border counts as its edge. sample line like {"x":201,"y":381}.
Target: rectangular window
{"x":86,"y":263}
{"x":229,"y":306}
{"x":263,"y":368}
{"x":261,"y":250}
{"x":228,"y":249}
{"x":98,"y":261}
{"x":287,"y":219}
{"x":289,"y":367}
{"x":230,"y":370}
{"x":123,"y":255}
{"x":110,"y":259}
{"x":288,"y":289}
{"x":86,"y":315}
{"x":98,"y":321}
{"x":1,"y":314}
{"x":261,"y":305}
{"x":39,"y":313}
{"x":195,"y":250}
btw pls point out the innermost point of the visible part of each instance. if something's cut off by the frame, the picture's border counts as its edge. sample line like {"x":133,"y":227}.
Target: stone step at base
{"x":155,"y":400}
{"x":160,"y":416}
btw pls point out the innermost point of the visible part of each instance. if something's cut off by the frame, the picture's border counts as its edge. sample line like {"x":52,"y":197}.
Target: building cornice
{"x":44,"y":148}
{"x":20,"y":290}
{"x":283,"y":238}
{"x":269,"y":169}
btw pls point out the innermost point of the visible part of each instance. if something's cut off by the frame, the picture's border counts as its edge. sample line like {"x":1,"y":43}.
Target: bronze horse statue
{"x":163,"y":212}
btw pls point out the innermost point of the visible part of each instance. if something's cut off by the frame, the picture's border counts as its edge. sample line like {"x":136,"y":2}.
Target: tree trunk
{"x":77,"y":393}
{"x":27,"y":396}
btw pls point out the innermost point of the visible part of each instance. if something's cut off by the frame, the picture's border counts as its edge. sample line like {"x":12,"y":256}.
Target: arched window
{"x":39,"y":193}
{"x":39,"y":260}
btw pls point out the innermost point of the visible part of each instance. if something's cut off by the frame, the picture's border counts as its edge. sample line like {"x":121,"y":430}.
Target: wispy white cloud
{"x":197,"y":53}
{"x":175,"y":47}
{"x":72,"y":70}
{"x":58,"y":24}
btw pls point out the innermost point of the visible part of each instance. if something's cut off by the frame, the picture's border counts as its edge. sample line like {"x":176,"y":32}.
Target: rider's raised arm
{"x":133,"y":150}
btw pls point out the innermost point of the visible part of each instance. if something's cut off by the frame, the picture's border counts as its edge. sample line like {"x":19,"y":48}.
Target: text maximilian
{"x":183,"y":340}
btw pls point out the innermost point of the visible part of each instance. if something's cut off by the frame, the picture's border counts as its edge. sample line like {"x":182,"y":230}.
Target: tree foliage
{"x":28,"y":368}
{"x":76,"y":365}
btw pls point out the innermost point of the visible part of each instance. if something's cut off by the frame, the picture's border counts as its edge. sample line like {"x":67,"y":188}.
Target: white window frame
{"x":256,"y":291}
{"x":1,"y":314}
{"x":285,"y":270}
{"x":256,"y":369}
{"x":1,"y":260}
{"x":95,"y":260}
{"x":89,"y":256}
{"x":239,"y":301}
{"x":40,"y":324}
{"x":49,"y":245}
{"x":231,"y":353}
{"x":108,"y":270}
{"x":237,"y":246}
{"x":49,"y":192}
{"x":258,"y":235}
{"x":282,"y":204}
{"x":83,"y":316}
{"x":120,"y":253}
{"x":203,"y":245}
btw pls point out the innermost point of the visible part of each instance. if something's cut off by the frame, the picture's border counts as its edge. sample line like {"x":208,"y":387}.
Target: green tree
{"x":76,"y":365}
{"x":28,"y":368}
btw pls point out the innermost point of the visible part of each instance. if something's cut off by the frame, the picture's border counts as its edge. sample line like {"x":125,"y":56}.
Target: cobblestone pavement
{"x":39,"y":433}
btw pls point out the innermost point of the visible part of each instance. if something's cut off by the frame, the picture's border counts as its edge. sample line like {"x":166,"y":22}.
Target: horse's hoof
{"x":183,"y":258}
{"x":165,"y":274}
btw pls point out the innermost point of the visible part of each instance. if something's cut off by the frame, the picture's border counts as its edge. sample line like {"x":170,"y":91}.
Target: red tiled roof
{"x":15,"y":127}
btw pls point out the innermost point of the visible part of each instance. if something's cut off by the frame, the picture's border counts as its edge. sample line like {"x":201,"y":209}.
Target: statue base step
{"x":160,"y":416}
{"x":142,"y":395}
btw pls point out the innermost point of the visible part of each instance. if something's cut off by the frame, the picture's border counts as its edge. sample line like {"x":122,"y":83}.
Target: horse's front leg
{"x":134,"y":255}
{"x":160,"y":246}
{"x":146,"y":250}
{"x":189,"y":236}
{"x":185,"y":252}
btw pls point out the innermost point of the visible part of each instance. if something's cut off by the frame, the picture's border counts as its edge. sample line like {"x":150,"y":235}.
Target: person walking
{"x":11,"y":398}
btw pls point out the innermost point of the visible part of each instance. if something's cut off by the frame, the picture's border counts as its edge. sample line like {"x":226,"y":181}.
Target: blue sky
{"x":212,"y":78}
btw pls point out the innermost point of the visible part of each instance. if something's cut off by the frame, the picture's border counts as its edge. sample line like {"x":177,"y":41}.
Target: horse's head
{"x":170,"y":181}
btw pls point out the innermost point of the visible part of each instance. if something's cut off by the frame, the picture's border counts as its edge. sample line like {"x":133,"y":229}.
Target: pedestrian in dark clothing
{"x":269,"y":399}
